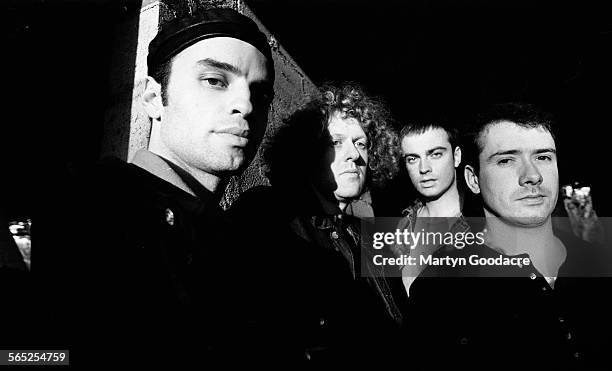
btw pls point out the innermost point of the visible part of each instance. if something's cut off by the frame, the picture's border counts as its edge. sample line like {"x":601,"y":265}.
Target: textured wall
{"x":126,"y":125}
{"x":127,"y":128}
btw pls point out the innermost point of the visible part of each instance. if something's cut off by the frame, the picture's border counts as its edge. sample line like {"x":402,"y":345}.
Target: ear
{"x":151,"y":99}
{"x":457,"y":156}
{"x":471,"y":179}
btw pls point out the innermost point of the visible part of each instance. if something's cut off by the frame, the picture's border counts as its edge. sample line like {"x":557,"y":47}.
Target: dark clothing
{"x":150,"y":278}
{"x":322,"y":310}
{"x":475,"y":317}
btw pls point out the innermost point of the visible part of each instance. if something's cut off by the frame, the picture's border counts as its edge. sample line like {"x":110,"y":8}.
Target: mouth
{"x":427,"y":182}
{"x":351,"y":172}
{"x":533,"y":199}
{"x":538,"y":196}
{"x":238,"y":135}
{"x":235,"y":130}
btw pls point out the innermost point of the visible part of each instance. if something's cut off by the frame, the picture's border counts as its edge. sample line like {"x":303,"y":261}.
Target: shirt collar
{"x":173,"y":174}
{"x":157,"y":166}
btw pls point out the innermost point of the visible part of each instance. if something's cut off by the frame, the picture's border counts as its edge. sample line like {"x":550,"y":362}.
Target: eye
{"x":546,"y":158}
{"x":505,"y":161}
{"x":410,"y":159}
{"x":215,"y":82}
{"x":336,"y":142}
{"x":361,"y":145}
{"x":436,"y":155}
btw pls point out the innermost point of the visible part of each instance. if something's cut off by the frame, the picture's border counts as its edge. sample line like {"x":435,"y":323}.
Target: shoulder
{"x":256,"y":204}
{"x":583,"y":258}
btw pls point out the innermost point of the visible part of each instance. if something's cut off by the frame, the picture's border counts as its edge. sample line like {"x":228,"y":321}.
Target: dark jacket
{"x":313,"y":293}
{"x":474,"y":317}
{"x":151,"y":274}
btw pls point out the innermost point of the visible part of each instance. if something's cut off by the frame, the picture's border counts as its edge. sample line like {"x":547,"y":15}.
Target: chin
{"x":529,"y":220}
{"x":230,"y":166}
{"x":348,"y":194}
{"x":430,"y":193}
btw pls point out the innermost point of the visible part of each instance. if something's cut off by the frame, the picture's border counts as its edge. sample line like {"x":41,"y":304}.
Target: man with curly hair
{"x":325,"y":156}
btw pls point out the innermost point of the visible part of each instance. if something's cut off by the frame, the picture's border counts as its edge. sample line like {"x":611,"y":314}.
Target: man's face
{"x":430,"y":162}
{"x":344,"y":165}
{"x":518,"y":175}
{"x":218,"y":98}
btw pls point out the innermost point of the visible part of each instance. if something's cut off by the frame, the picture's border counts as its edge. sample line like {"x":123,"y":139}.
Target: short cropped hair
{"x":292,"y":153}
{"x":521,"y":114}
{"x":161,"y":74}
{"x":420,"y":127}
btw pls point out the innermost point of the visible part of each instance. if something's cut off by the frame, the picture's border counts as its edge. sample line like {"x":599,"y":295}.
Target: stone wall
{"x":127,"y":127}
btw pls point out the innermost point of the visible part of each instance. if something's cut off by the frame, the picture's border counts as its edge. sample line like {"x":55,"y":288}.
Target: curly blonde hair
{"x":290,"y":151}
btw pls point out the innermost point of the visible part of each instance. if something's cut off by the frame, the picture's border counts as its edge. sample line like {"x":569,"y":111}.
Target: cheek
{"x":493,"y":187}
{"x":494,"y":199}
{"x":326,"y":162}
{"x":412,"y":172}
{"x":364,"y":155}
{"x":551,"y":177}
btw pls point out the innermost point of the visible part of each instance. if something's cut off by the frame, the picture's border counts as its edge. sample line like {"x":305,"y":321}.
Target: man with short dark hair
{"x":431,"y":156}
{"x":529,"y":296}
{"x":155,"y":244}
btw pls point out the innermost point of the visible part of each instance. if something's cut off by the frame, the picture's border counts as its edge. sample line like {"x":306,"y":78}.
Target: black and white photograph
{"x":216,"y":184}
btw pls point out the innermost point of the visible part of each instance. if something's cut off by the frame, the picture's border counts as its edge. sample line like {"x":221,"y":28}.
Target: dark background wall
{"x":431,"y":58}
{"x":55,"y":64}
{"x":426,"y":58}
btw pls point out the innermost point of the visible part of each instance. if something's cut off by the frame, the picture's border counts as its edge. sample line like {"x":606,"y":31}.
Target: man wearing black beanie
{"x":153,"y":243}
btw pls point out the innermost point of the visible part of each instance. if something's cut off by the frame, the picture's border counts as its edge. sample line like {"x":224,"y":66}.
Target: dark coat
{"x":467,"y":318}
{"x":152,"y":273}
{"x":320,"y":308}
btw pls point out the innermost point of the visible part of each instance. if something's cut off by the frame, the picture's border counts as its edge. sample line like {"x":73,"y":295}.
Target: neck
{"x":546,"y":252}
{"x":513,"y":240}
{"x":330,"y":206}
{"x":210,"y":181}
{"x":447,"y":205}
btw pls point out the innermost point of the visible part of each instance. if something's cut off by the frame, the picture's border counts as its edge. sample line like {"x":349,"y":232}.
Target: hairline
{"x":485,"y":129}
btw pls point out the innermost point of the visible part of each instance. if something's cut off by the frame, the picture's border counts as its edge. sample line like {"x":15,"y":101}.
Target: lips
{"x":427,"y":182}
{"x":532,"y":197}
{"x":235,"y":130}
{"x":236,"y":136}
{"x":351,"y":171}
{"x":532,"y":200}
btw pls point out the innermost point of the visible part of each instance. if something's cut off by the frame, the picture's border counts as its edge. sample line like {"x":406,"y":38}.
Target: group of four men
{"x":280,"y":276}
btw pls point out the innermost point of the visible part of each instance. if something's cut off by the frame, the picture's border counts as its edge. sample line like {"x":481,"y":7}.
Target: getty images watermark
{"x":390,"y":244}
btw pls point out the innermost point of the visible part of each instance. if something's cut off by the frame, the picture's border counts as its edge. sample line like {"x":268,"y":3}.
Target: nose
{"x":530,"y":174}
{"x":424,"y":166}
{"x":241,"y":100}
{"x":351,"y":152}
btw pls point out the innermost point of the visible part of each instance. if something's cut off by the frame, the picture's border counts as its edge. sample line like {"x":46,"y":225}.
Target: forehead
{"x":344,"y":125}
{"x":247,"y":58}
{"x":434,"y":137}
{"x":508,"y":136}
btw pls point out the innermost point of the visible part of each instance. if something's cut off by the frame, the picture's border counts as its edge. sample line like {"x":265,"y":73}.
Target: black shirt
{"x":472,"y":317}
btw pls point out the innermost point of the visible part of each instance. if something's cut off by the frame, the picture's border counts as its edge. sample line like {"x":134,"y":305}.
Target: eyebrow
{"x":212,"y":63}
{"x":343,"y":136}
{"x":438,"y":148}
{"x":516,"y":152}
{"x":429,"y":151}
